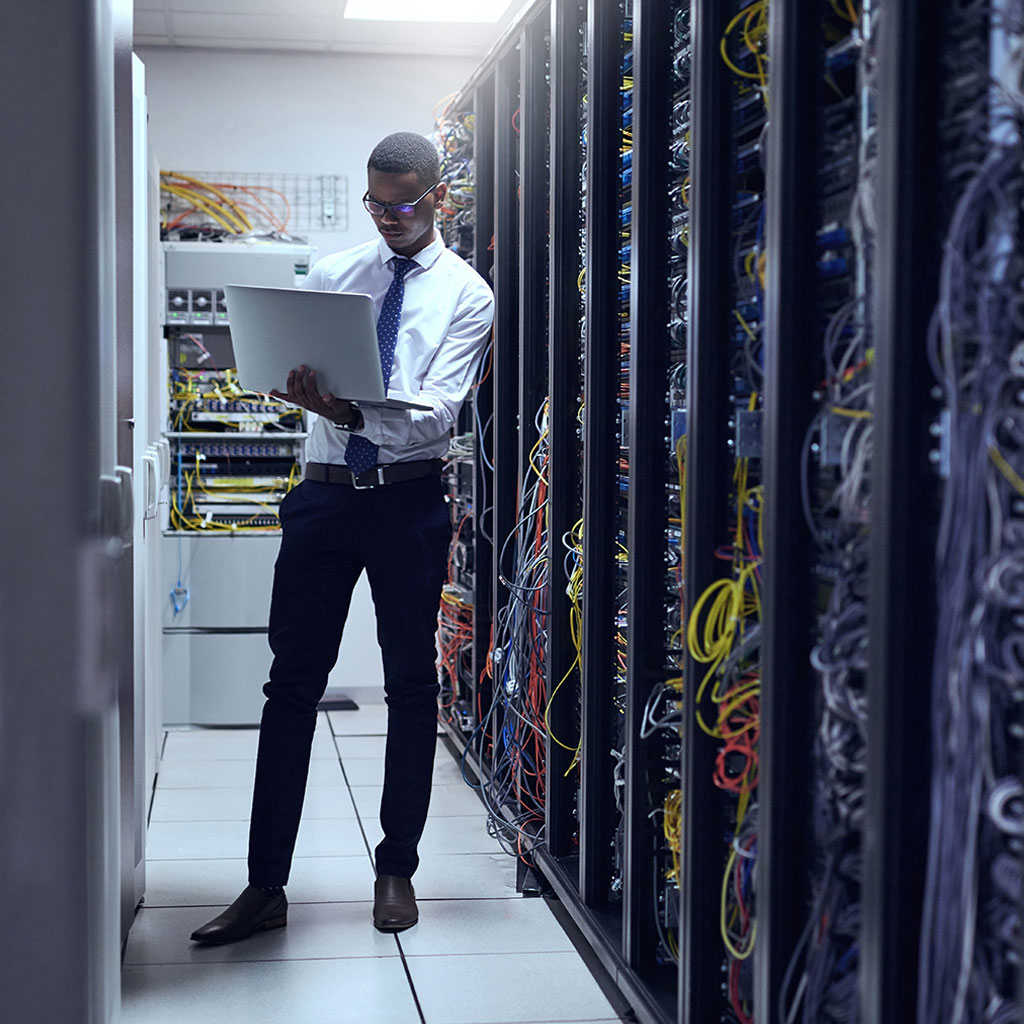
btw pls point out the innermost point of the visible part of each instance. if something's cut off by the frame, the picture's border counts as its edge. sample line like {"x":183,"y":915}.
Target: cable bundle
{"x":512,"y":732}
{"x":192,"y":390}
{"x":454,"y":634}
{"x":723,"y":632}
{"x":453,"y":137}
{"x":220,"y":208}
{"x":184,"y":516}
{"x":972,"y":917}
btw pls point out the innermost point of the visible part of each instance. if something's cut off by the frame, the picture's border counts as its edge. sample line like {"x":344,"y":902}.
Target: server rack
{"x":730,"y":358}
{"x":465,"y":607}
{"x":707,"y":473}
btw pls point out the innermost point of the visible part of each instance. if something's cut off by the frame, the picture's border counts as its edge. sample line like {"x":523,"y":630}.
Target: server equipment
{"x":731,"y":635}
{"x":234,"y":455}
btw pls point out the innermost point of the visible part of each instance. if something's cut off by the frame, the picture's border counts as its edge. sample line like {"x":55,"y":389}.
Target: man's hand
{"x":302,"y":390}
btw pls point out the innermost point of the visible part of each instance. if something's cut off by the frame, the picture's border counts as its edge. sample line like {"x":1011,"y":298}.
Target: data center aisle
{"x":480,"y":954}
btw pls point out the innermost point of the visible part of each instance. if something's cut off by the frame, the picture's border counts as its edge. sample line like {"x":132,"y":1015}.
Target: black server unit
{"x":817,"y":455}
{"x":950,"y":410}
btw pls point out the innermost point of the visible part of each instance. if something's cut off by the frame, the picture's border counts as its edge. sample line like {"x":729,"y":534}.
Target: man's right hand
{"x":302,"y":390}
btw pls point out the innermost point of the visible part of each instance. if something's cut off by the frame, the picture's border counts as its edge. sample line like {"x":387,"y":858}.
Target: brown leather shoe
{"x":253,"y":911}
{"x":394,"y":904}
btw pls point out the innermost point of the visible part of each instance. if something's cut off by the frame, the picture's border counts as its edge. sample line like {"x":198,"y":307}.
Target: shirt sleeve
{"x":447,"y":380}
{"x":314,"y":280}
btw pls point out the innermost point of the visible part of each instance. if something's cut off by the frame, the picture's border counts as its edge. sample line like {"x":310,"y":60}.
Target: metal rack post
{"x":792,"y":353}
{"x":533,"y":233}
{"x":506,"y":320}
{"x":563,"y":377}
{"x":900,"y":615}
{"x":708,"y":473}
{"x":483,"y":476}
{"x":600,"y":449}
{"x":648,"y":454}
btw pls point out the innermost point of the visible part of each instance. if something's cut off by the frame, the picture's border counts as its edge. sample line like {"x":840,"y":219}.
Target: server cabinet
{"x":749,"y":697}
{"x":63,"y":613}
{"x":234,"y":455}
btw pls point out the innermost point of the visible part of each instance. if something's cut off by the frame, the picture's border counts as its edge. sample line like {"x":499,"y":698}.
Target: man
{"x":371,"y":499}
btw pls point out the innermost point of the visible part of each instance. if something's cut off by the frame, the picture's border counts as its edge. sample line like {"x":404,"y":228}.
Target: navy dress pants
{"x":399,"y":534}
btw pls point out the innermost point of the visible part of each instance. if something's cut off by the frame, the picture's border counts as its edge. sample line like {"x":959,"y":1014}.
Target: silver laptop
{"x":274,"y":330}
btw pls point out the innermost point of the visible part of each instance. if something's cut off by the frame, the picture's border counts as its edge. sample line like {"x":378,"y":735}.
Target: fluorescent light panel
{"x":483,"y":11}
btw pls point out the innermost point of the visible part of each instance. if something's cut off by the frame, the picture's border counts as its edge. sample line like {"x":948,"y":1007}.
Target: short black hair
{"x":402,"y":152}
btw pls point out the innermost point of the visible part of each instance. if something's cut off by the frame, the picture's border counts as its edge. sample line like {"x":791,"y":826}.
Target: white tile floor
{"x":481,"y":954}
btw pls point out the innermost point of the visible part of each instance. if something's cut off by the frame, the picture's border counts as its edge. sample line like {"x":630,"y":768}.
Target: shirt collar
{"x":426,"y":257}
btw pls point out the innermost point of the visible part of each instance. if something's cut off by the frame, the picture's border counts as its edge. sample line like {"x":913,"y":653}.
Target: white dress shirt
{"x":447,"y":312}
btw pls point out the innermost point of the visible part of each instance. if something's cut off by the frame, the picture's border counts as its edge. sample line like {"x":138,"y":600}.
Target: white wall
{"x":291,"y":113}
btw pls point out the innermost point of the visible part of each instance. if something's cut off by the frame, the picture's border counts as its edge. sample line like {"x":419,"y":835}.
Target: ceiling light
{"x":488,"y":11}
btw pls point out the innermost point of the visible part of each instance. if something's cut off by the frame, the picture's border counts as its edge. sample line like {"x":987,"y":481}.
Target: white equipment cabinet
{"x":219,"y":544}
{"x":216,"y":656}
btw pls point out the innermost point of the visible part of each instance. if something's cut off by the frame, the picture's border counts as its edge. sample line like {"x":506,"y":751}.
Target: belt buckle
{"x":369,"y":487}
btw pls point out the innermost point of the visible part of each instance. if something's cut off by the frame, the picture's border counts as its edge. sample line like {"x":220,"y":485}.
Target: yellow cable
{"x":207,"y":207}
{"x":855,"y":414}
{"x":723,"y":46}
{"x":1006,"y":469}
{"x":672,"y":827}
{"x":739,"y":316}
{"x":731,"y":949}
{"x":575,"y":631}
{"x":534,"y":449}
{"x":202,"y":203}
{"x":233,"y":207}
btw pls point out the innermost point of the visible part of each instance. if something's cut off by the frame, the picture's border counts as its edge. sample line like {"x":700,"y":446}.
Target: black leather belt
{"x":392,"y":473}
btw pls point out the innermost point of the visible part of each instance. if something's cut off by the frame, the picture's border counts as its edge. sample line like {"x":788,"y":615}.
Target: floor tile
{"x":445,"y":801}
{"x":211,"y":840}
{"x":202,"y":774}
{"x":455,"y":876}
{"x":484,"y":926}
{"x":230,"y":744}
{"x":210,"y":744}
{"x":510,"y":987}
{"x":234,"y":803}
{"x":444,"y":835}
{"x":447,"y":771}
{"x":310,"y":992}
{"x":364,"y":771}
{"x":315,"y":931}
{"x":369,"y":720}
{"x":368,"y":771}
{"x":215,"y":883}
{"x":354,"y":747}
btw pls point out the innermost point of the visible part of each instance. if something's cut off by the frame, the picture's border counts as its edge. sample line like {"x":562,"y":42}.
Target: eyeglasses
{"x":398,"y":209}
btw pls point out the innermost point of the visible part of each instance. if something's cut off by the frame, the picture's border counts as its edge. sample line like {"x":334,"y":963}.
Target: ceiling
{"x":306,"y":25}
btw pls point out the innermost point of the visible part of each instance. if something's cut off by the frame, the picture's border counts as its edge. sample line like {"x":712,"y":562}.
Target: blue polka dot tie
{"x":360,"y":454}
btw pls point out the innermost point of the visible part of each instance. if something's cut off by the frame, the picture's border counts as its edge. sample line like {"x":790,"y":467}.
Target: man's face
{"x":405,"y":235}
